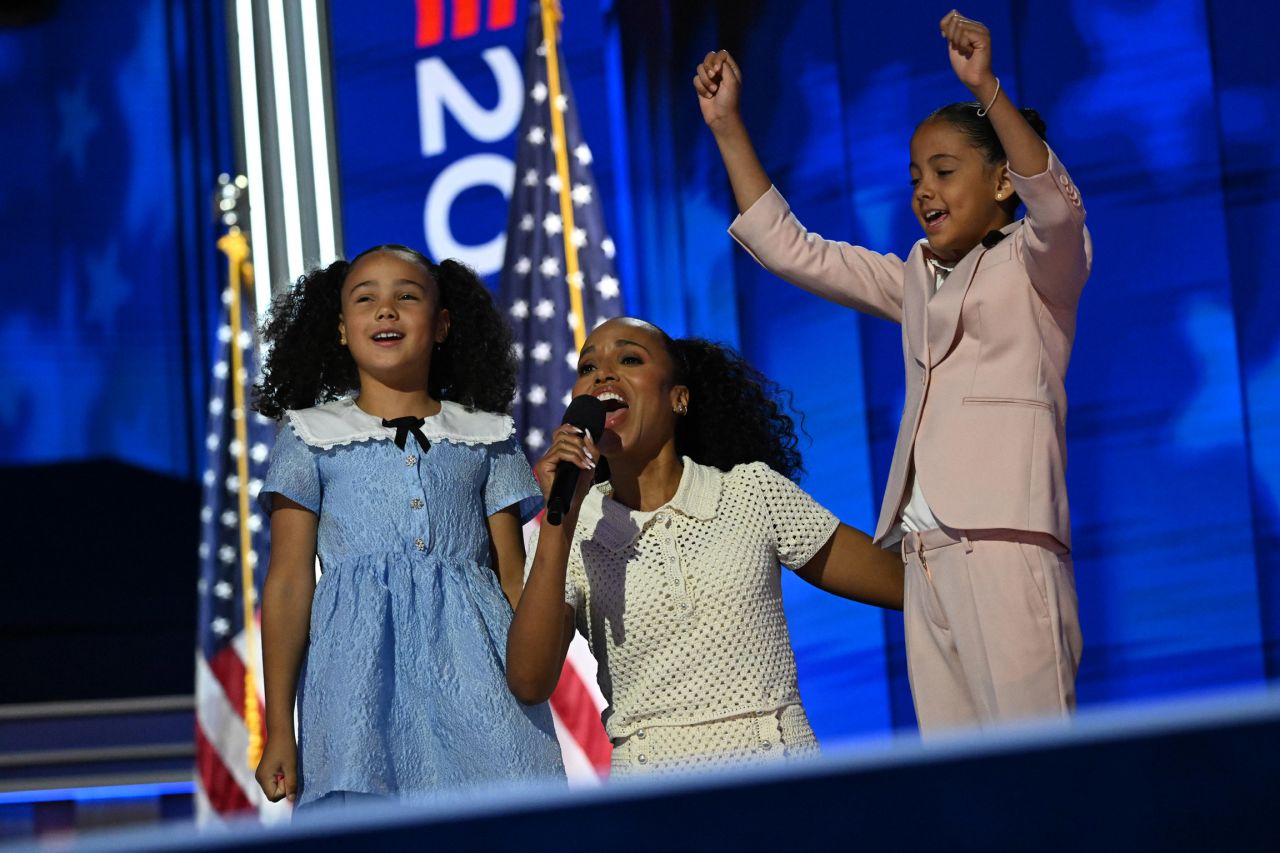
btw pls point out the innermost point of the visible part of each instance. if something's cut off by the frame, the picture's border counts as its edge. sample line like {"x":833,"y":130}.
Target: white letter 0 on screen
{"x":478,"y":170}
{"x":438,"y":87}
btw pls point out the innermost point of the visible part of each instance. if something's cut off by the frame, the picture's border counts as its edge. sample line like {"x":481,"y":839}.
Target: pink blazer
{"x":986,"y":358}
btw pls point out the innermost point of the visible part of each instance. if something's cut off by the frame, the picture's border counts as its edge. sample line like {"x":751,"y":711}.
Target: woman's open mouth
{"x":615,"y":408}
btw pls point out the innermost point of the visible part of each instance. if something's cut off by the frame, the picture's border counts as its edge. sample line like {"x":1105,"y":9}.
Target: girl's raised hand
{"x":568,"y":444}
{"x":718,"y":84}
{"x":969,"y":46}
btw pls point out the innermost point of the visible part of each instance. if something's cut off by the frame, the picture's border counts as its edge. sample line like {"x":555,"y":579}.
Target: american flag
{"x":233,"y":561}
{"x":558,"y":282}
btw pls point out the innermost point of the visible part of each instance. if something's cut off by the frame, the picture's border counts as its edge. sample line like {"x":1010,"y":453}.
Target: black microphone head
{"x":586,"y":412}
{"x":992,"y":238}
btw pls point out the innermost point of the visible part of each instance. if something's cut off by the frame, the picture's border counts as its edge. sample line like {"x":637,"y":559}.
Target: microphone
{"x":992,"y":238}
{"x":584,"y":412}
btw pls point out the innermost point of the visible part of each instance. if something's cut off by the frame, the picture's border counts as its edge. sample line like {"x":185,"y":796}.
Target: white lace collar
{"x":342,"y":422}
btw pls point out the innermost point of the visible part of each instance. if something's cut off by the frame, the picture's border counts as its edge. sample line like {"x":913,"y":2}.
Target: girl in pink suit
{"x":976,"y":497}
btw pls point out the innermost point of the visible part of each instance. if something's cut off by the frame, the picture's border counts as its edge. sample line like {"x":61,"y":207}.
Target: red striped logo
{"x":464,"y":20}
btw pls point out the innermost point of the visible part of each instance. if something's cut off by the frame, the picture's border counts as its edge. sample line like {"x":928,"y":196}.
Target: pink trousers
{"x":991,"y":627}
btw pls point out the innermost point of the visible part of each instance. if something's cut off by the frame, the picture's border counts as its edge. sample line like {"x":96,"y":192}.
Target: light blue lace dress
{"x":403,"y":691}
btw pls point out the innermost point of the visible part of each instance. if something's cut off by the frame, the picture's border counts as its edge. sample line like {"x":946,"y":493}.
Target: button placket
{"x":671,"y":565}
{"x":419,"y":521}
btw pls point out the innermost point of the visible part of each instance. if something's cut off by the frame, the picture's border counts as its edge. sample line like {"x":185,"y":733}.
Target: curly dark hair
{"x":307,"y":365}
{"x":736,"y":414}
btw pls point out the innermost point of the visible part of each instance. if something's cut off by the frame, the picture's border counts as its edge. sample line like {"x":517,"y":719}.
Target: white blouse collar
{"x":616,"y":526}
{"x":342,"y":422}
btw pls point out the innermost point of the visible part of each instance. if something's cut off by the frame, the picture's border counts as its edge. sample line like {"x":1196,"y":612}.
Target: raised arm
{"x":719,"y":84}
{"x":1056,"y":246}
{"x":543,"y":625}
{"x":850,"y":566}
{"x":969,"y":47}
{"x":286,"y":624}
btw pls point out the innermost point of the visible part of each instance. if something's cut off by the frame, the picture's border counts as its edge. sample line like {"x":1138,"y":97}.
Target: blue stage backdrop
{"x":1164,"y":122}
{"x":115,"y":126}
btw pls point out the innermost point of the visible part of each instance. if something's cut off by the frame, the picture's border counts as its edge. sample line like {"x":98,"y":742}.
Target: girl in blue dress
{"x":396,"y":468}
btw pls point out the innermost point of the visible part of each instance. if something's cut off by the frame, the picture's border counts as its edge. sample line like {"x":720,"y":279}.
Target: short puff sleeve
{"x":510,"y":481}
{"x":800,"y":526}
{"x":292,"y":472}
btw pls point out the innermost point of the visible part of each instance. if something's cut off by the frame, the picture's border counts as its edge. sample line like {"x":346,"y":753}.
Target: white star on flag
{"x":538,"y":92}
{"x":260,"y":452}
{"x":581,"y":194}
{"x":519,"y":309}
{"x":222,"y":589}
{"x":578,"y":237}
{"x":221,"y":626}
{"x":531,"y":178}
{"x":534,"y":438}
{"x":537,"y":395}
{"x":583,"y":153}
{"x":607,"y":246}
{"x":526,"y":222}
{"x":607,"y":286}
{"x":553,"y":183}
{"x":550,"y":266}
{"x":571,"y":359}
{"x":575,"y":280}
{"x":227,"y":554}
{"x":545,"y":310}
{"x":229,"y":518}
{"x":552,"y":224}
{"x":541,"y":352}
{"x":562,"y":103}
{"x":523,"y":266}
{"x":537,"y":135}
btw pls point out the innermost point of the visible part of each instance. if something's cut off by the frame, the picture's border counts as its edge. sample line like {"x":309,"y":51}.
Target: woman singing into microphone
{"x":668,"y":564}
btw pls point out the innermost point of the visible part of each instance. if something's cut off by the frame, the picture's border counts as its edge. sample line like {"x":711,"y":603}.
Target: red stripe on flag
{"x":224,"y":793}
{"x":430,"y":23}
{"x":228,"y":668}
{"x":502,"y":14}
{"x":576,"y":709}
{"x":466,"y":18}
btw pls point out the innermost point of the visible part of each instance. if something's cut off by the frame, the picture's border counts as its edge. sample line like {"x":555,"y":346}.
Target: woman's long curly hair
{"x":735,"y":413}
{"x":307,"y":365}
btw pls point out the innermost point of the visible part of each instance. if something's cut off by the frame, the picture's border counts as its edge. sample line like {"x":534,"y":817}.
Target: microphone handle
{"x":562,"y":489}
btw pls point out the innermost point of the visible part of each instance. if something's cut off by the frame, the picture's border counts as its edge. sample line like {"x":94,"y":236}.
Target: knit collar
{"x":615,"y":526}
{"x":342,"y":422}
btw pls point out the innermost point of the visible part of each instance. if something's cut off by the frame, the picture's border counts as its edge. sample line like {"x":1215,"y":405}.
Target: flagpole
{"x":234,"y":245}
{"x":550,"y":31}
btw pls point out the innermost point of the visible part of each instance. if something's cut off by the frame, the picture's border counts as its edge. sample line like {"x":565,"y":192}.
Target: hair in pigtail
{"x":307,"y":364}
{"x":476,"y":364}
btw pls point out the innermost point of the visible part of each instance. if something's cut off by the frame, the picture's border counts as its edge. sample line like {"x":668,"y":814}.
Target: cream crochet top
{"x":682,"y":606}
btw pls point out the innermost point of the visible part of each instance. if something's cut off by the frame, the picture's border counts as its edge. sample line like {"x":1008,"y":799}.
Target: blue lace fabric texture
{"x":403,"y":691}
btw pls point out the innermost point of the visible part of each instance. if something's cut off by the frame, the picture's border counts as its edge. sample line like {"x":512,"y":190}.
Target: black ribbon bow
{"x":404,"y":426}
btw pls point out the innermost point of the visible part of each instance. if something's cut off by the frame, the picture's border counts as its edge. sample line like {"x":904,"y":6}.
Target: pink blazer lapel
{"x":917,"y":288}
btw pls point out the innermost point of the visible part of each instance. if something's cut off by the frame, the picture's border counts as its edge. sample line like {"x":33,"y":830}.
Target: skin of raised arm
{"x":718,"y":83}
{"x":852,"y":567}
{"x":969,"y":48}
{"x":506,"y":551}
{"x":286,"y":624}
